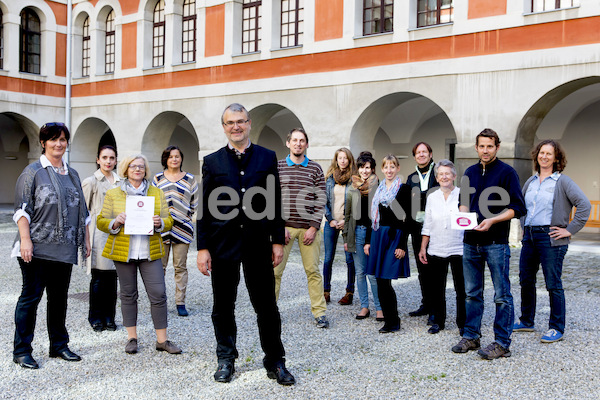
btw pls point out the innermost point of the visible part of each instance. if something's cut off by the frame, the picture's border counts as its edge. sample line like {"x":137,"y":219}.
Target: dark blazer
{"x":414,"y":182}
{"x":254,"y":221}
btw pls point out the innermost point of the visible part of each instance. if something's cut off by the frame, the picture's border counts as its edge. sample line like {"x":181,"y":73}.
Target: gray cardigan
{"x":566,"y":195}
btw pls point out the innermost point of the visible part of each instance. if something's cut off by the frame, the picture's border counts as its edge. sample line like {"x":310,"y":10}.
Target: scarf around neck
{"x":128,"y":188}
{"x":424,"y":179}
{"x":383,"y":196}
{"x":364,"y":186}
{"x":342,"y":177}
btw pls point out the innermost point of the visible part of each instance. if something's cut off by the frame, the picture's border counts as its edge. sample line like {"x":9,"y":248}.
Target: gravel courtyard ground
{"x":349,"y":360}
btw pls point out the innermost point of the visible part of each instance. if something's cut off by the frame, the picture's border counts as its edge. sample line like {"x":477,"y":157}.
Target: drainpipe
{"x":69,"y":73}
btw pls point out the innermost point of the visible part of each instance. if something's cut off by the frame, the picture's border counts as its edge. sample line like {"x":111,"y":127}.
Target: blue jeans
{"x":330,"y":238}
{"x":360,"y":264}
{"x":537,"y":249}
{"x":497,"y":257}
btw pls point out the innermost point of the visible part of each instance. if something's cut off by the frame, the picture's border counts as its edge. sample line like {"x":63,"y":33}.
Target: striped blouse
{"x":182,"y":199}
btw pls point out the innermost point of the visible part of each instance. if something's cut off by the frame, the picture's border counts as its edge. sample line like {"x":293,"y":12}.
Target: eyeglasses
{"x":231,"y":124}
{"x":137,"y":167}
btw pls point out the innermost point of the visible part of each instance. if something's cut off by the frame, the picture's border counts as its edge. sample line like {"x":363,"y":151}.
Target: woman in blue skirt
{"x":386,"y":242}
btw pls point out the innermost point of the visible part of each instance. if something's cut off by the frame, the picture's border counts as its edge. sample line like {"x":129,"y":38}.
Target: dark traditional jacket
{"x":241,"y":203}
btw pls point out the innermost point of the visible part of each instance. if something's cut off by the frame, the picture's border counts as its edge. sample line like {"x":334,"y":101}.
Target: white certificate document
{"x":462,"y":221}
{"x":139,"y":211}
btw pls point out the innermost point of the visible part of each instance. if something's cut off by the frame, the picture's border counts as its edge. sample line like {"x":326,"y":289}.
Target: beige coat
{"x":94,"y":190}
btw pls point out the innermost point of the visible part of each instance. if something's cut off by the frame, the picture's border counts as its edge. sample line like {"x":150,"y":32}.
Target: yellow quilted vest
{"x":117,"y":246}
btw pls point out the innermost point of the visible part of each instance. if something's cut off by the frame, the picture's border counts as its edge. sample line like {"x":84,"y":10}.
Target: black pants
{"x":438,"y":270}
{"x":40,"y":275}
{"x":103,"y":296}
{"x":389,"y":303}
{"x":260,"y":282}
{"x":425,"y":279}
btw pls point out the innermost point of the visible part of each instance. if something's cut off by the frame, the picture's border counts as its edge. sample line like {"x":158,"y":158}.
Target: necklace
{"x":60,"y":170}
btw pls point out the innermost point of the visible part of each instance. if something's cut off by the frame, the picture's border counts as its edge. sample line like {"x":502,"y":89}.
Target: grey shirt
{"x":56,"y":211}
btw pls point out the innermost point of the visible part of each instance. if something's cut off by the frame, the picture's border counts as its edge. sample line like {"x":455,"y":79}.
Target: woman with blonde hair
{"x":386,"y":243}
{"x":134,"y":252}
{"x":338,"y":180}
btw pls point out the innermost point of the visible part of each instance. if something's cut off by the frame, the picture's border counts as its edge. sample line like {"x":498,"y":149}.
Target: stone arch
{"x":44,"y":13}
{"x":103,"y":5}
{"x":570,"y":114}
{"x":171,"y":128}
{"x":89,"y":136}
{"x":395,"y":122}
{"x":19,"y":146}
{"x":270,"y":126}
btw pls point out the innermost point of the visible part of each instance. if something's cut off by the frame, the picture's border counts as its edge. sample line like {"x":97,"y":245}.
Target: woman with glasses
{"x":103,"y":285}
{"x":134,"y":252}
{"x":441,"y":245}
{"x":181,"y":193}
{"x":338,"y":180}
{"x":51,"y":215}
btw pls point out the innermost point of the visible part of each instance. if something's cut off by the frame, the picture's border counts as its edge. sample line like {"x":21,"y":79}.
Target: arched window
{"x":251,"y":10}
{"x":378,"y":16}
{"x":188,"y":47}
{"x":292,"y":22}
{"x":109,"y":44}
{"x":158,"y":35}
{"x":30,"y":44}
{"x":85,"y":48}
{"x":1,"y":42}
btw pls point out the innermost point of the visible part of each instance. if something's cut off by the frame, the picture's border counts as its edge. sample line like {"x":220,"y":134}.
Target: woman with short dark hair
{"x":51,"y":214}
{"x":181,"y":193}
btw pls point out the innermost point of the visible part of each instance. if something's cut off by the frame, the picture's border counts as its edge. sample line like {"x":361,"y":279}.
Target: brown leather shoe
{"x":169,"y":347}
{"x":347,"y":299}
{"x":131,"y":347}
{"x":327,"y":297}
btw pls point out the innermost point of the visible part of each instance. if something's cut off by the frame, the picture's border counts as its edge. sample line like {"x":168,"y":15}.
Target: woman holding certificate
{"x":134,"y":214}
{"x":442,"y":245}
